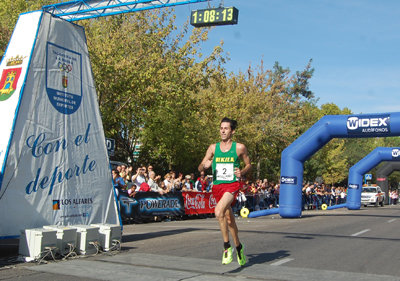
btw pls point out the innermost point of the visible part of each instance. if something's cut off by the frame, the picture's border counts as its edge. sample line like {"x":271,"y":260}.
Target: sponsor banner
{"x":381,"y":179}
{"x":71,"y":208}
{"x":199,"y":203}
{"x":288,"y":180}
{"x":364,"y":125}
{"x":57,"y":169}
{"x":395,"y":153}
{"x":13,"y":70}
{"x":353,"y":186}
{"x":148,"y":204}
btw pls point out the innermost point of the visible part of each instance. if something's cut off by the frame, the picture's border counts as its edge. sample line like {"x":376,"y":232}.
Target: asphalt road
{"x":331,"y":245}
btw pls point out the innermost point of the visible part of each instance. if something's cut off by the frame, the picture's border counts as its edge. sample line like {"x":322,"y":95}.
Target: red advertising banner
{"x":199,"y":203}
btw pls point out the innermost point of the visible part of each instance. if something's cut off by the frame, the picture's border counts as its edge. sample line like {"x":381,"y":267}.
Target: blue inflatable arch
{"x":357,"y":172}
{"x":328,"y":127}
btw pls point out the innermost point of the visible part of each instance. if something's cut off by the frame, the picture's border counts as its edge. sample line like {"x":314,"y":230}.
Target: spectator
{"x":129,"y":172}
{"x":307,"y":193}
{"x":192,"y":179}
{"x":168,"y":182}
{"x":123,"y":169}
{"x":144,"y":169}
{"x":152,"y":182}
{"x":124,"y":175}
{"x":209,"y":183}
{"x":241,"y":199}
{"x":164,"y":187}
{"x":262,"y":194}
{"x":343,"y":195}
{"x":268,"y":197}
{"x":132,"y":191}
{"x":172,"y":180}
{"x":118,"y":182}
{"x":333,"y":195}
{"x":178,"y":182}
{"x":338,"y":199}
{"x":187,"y":185}
{"x":395,"y":196}
{"x":201,"y":183}
{"x":119,"y":168}
{"x":139,"y":177}
{"x":276,"y":194}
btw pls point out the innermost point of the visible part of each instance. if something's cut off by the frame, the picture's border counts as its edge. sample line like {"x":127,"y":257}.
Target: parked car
{"x":372,"y":195}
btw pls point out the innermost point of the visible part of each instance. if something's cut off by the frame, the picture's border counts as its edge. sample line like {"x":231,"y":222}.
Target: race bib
{"x":224,"y":171}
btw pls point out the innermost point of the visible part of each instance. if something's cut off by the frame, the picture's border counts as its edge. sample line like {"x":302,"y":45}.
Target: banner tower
{"x":53,"y":156}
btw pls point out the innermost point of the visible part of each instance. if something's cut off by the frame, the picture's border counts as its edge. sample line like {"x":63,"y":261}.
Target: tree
{"x":9,"y":13}
{"x":267,"y":105}
{"x":336,"y":165}
{"x":147,"y":74}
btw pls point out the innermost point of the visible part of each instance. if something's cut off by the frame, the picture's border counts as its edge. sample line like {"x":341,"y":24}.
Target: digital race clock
{"x":214,"y":16}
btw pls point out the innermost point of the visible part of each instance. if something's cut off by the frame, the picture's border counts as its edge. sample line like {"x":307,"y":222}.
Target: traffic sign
{"x":110,"y":146}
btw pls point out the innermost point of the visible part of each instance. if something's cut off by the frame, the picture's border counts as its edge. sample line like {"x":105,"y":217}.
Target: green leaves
{"x":147,"y":75}
{"x":9,"y":13}
{"x":158,"y":93}
{"x":155,"y":86}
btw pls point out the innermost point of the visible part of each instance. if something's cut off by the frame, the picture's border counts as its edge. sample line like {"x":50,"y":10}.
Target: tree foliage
{"x":9,"y":12}
{"x":158,"y":92}
{"x":147,"y":73}
{"x":267,"y":105}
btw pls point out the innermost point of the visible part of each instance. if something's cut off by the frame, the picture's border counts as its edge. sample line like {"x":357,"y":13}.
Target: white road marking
{"x":392,"y":220}
{"x":282,"y":261}
{"x":361,"y":232}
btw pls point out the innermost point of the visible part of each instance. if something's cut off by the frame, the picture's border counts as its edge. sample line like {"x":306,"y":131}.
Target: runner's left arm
{"x":242,"y":153}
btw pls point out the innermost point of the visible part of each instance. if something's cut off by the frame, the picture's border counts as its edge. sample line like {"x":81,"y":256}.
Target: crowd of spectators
{"x":254,"y":195}
{"x":265,"y":195}
{"x":315,"y":194}
{"x":145,"y":179}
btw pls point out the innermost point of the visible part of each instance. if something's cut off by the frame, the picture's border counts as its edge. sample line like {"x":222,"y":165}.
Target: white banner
{"x":13,"y":71}
{"x":57,"y":169}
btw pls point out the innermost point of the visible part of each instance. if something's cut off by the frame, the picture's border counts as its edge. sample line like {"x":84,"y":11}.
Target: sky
{"x":354,"y":46}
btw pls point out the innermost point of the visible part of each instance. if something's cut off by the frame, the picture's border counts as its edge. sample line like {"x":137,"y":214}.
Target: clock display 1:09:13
{"x":217,"y":16}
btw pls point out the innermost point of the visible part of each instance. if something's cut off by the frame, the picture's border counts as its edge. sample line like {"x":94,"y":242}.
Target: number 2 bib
{"x":225,"y":171}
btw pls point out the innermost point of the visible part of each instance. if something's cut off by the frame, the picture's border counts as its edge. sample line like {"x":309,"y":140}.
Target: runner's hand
{"x":238,"y":173}
{"x":207,"y":164}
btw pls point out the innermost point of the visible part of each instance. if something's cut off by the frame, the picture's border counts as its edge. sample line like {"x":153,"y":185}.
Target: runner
{"x":224,"y":159}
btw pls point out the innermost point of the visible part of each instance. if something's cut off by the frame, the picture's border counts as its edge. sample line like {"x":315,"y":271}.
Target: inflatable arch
{"x":357,"y":172}
{"x":382,"y":176}
{"x":327,"y":128}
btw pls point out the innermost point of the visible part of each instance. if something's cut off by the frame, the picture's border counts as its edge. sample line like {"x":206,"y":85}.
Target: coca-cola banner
{"x":199,"y":203}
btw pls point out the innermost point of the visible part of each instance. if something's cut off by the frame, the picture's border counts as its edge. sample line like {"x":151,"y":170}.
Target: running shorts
{"x":218,"y":190}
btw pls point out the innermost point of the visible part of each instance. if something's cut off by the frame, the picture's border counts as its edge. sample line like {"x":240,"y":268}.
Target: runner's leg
{"x":232,"y":226}
{"x":221,"y":214}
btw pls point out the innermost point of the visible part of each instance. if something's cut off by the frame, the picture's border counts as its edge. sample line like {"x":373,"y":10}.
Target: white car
{"x":372,"y":195}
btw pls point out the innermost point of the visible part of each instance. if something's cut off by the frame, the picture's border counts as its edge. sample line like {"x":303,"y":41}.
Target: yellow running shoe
{"x":241,"y":258}
{"x":227,"y":256}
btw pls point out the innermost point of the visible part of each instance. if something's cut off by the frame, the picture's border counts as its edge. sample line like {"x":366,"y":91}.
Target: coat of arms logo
{"x":9,"y":77}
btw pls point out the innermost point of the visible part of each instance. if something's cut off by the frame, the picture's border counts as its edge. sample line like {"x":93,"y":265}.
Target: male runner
{"x":224,"y":159}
